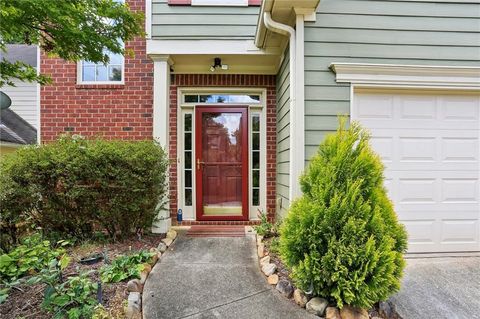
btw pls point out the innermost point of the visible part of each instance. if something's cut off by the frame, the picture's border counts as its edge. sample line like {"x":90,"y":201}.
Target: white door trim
{"x":261,"y":109}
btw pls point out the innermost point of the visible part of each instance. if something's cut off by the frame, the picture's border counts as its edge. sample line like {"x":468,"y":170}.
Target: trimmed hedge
{"x":342,"y":239}
{"x":73,"y":186}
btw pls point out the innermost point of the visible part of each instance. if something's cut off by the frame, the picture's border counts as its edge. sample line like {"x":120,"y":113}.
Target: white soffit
{"x":409,"y":75}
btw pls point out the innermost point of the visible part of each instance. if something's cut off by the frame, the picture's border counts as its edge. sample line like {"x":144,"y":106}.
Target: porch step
{"x":216,"y":231}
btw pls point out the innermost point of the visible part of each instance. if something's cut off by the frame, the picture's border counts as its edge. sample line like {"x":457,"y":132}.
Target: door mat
{"x":216,"y":231}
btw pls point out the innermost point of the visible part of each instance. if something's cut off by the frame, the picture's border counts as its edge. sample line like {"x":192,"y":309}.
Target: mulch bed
{"x":25,"y":301}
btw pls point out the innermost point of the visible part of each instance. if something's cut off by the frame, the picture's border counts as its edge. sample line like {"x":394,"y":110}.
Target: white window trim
{"x":189,"y":212}
{"x":80,"y":76}
{"x":220,"y":3}
{"x":400,"y":75}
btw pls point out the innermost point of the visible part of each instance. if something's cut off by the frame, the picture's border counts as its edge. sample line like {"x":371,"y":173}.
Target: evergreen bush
{"x":341,"y":238}
{"x":74,"y":186}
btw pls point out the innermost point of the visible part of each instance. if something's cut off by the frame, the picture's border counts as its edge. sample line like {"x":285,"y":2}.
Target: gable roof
{"x":14,"y":129}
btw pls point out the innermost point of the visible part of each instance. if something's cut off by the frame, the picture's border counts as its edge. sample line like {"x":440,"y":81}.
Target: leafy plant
{"x":74,"y":185}
{"x":342,"y":238}
{"x":30,"y":257}
{"x":73,"y":31}
{"x":125,"y":267}
{"x":73,"y":298}
{"x":265,"y":227}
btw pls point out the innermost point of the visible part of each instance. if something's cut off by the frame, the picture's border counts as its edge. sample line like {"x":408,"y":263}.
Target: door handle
{"x":199,"y":163}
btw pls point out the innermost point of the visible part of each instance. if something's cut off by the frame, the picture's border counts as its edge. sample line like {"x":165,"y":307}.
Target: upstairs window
{"x":112,"y":72}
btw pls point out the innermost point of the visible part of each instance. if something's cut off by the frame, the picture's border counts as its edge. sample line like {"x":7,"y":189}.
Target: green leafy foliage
{"x":30,"y":257}
{"x":125,"y":267}
{"x":73,"y":298}
{"x":72,"y":30}
{"x":72,"y":186}
{"x":342,"y":238}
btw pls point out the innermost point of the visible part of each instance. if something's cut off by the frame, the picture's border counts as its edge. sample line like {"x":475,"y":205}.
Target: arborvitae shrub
{"x":342,"y":239}
{"x":74,"y":186}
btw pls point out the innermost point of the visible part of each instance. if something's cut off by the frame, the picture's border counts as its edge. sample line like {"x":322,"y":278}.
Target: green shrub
{"x":125,"y":267}
{"x":342,"y":238}
{"x":73,"y":185}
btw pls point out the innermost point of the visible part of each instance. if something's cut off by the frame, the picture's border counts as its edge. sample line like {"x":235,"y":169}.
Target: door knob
{"x":199,"y":163}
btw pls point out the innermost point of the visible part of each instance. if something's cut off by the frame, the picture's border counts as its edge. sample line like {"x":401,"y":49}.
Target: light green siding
{"x":371,"y":31}
{"x":283,"y":134}
{"x":194,"y":22}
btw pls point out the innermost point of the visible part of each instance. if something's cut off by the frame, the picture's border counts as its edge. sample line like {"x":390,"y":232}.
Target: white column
{"x":161,"y":103}
{"x":297,"y":113}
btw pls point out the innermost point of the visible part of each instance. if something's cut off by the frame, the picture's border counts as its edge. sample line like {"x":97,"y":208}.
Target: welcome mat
{"x":216,"y":231}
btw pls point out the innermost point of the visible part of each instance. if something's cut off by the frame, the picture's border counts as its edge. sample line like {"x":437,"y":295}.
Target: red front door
{"x":221,"y":163}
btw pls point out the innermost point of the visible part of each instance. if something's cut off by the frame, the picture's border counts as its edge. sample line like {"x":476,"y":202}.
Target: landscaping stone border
{"x":316,"y":305}
{"x":133,"y":309}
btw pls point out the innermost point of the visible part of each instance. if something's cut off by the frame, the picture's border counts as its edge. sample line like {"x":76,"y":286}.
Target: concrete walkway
{"x":213,"y":278}
{"x":440,"y":288}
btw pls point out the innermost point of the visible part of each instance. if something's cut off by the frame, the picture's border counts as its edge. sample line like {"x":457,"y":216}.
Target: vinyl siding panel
{"x":283,"y":135}
{"x":377,"y":31}
{"x":196,"y":22}
{"x":24,"y":101}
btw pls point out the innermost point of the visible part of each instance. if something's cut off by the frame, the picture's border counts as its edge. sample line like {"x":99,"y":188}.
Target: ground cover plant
{"x":341,"y":239}
{"x":65,"y":288}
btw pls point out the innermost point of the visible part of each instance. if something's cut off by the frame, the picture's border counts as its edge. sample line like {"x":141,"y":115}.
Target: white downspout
{"x":295,"y":148}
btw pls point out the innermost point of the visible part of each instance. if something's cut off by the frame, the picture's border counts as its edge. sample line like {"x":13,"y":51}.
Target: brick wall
{"x":111,"y":111}
{"x":222,"y":80}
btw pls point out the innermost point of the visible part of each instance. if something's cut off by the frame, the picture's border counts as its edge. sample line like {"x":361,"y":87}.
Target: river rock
{"x":285,"y":288}
{"x":317,"y":306}
{"x":300,"y":298}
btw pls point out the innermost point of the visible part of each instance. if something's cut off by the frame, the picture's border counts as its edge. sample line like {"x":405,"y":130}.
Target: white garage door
{"x":429,"y":144}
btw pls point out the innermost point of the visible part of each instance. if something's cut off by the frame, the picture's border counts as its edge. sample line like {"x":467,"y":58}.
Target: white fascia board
{"x":223,"y":47}
{"x":410,"y":75}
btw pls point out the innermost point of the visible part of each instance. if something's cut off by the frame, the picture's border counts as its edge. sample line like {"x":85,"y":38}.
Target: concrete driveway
{"x":440,"y":288}
{"x":213,"y":278}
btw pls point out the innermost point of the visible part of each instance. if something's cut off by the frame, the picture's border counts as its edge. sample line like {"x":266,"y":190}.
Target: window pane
{"x":256,"y":178}
{"x":256,"y":123}
{"x":206,"y":98}
{"x":88,"y":73}
{"x":188,"y":159}
{"x":188,"y":197}
{"x":188,"y":178}
{"x":188,"y":123}
{"x":256,"y":160}
{"x":188,"y":141}
{"x":101,"y":73}
{"x":256,"y":197}
{"x":191,"y":98}
{"x":115,"y":73}
{"x":256,"y":141}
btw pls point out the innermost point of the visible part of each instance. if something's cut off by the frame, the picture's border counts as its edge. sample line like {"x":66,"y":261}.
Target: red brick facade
{"x":112,"y":111}
{"x":124,"y":111}
{"x":218,"y":80}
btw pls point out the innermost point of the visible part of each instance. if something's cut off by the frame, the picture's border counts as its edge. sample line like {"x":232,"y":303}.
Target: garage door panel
{"x":430,"y":147}
{"x":460,"y":108}
{"x":407,"y":149}
{"x":418,"y":111}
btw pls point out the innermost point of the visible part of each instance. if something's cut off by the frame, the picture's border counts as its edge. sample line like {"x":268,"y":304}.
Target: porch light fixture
{"x":217,"y":64}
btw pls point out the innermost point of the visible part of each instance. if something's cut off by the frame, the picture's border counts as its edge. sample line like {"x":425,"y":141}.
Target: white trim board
{"x":411,"y":75}
{"x":219,"y":47}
